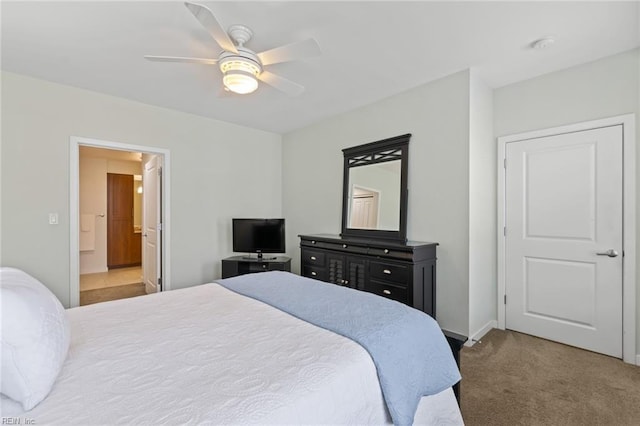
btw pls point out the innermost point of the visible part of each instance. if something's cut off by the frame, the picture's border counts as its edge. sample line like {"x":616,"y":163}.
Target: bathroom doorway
{"x":108,"y":187}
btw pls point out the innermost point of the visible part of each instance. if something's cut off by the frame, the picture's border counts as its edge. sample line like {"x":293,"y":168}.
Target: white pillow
{"x":35,"y":337}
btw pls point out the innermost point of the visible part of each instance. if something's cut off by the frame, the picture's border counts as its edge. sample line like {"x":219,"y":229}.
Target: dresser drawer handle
{"x":344,"y":246}
{"x":313,"y":258}
{"x":386,"y":271}
{"x":313,"y":273}
{"x":386,"y":251}
{"x":386,"y":291}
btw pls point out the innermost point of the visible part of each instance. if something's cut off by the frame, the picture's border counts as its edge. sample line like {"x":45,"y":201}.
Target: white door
{"x":364,"y":209}
{"x":563,"y":244}
{"x":152,"y":242}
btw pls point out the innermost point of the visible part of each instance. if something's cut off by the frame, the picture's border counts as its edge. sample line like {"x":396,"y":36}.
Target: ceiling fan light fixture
{"x":241,"y":67}
{"x":239,"y":82}
{"x":240,"y":76}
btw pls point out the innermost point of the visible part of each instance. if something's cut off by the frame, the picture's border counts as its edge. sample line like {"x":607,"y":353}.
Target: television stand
{"x":240,"y":265}
{"x":259,"y":257}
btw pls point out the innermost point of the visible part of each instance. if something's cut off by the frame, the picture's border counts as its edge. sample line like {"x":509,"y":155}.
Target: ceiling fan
{"x":242,"y":67}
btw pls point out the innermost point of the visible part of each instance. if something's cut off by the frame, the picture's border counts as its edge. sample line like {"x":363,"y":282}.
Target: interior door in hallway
{"x":121,"y":241}
{"x":563,"y":244}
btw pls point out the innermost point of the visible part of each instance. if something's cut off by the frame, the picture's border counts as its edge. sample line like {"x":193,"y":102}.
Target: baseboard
{"x":475,"y":337}
{"x":638,"y":360}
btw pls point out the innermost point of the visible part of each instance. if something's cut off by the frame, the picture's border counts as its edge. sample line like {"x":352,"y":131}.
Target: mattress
{"x":206,"y":355}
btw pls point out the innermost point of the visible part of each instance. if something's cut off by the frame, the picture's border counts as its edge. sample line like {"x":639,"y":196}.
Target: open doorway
{"x":110,"y":233}
{"x":118,"y":221}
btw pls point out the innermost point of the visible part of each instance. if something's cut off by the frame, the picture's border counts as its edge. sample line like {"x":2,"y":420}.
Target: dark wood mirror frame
{"x":371,"y":153}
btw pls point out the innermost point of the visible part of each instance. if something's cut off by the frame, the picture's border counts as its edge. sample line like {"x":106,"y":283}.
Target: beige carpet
{"x":516,"y":379}
{"x":88,"y":297}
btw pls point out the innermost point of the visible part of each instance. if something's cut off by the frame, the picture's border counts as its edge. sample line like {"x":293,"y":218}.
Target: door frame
{"x":628,"y":220}
{"x":74,"y":206}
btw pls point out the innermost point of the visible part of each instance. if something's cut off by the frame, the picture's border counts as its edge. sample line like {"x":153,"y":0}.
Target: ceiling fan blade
{"x":211,"y":24}
{"x":290,"y":52}
{"x":281,"y":83}
{"x":181,"y":59}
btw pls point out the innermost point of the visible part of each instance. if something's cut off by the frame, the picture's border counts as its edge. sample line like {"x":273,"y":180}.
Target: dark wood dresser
{"x":403,"y":272}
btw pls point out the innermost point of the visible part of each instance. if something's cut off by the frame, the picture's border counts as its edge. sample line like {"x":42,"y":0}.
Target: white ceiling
{"x":371,"y":50}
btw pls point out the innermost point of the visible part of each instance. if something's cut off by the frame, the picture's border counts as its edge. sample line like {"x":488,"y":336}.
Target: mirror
{"x":374,"y":201}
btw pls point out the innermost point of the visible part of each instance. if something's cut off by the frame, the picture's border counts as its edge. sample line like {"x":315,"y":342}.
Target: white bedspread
{"x":207,"y":355}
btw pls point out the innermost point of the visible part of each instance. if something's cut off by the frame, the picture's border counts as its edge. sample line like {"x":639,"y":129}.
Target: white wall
{"x":219,"y":170}
{"x":437,"y":115}
{"x":482,"y":210}
{"x":93,"y":200}
{"x":124,"y":167}
{"x":600,"y":89}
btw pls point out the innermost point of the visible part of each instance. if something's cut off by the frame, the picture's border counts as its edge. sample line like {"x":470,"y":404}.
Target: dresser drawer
{"x":389,"y":291}
{"x":395,"y":254}
{"x":312,"y":258}
{"x":386,"y":271}
{"x":314,"y":272}
{"x":342,"y":246}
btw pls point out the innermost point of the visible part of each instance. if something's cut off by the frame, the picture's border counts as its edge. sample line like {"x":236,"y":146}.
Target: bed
{"x":210,"y":355}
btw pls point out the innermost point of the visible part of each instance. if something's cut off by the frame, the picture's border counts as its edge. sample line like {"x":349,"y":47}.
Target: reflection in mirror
{"x":374,"y":196}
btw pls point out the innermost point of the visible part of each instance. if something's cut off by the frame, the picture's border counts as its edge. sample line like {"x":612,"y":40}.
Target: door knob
{"x":610,"y":253}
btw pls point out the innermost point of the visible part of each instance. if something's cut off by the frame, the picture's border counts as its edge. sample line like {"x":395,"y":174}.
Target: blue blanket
{"x":411,"y":355}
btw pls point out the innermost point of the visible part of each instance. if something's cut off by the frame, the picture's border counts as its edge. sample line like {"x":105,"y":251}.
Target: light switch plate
{"x":53,"y":218}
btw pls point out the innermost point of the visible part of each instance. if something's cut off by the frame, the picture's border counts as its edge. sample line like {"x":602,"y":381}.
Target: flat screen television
{"x":258,"y":236}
